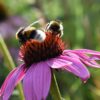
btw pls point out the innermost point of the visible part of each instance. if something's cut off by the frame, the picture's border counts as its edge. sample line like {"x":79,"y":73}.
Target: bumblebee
{"x":24,"y":34}
{"x":55,"y":27}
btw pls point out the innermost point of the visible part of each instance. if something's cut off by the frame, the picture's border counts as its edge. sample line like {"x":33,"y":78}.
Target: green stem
{"x":19,"y":87}
{"x":6,"y":54}
{"x":10,"y":63}
{"x":54,"y":90}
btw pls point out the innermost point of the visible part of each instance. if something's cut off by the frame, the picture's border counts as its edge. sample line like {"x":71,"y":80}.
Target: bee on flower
{"x":55,"y":28}
{"x":28,"y":33}
{"x":43,"y":51}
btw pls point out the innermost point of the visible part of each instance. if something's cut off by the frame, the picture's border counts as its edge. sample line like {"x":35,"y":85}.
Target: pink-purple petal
{"x":12,"y":80}
{"x":88,"y":61}
{"x":58,"y":62}
{"x":95,"y":57}
{"x":85,"y":51}
{"x":88,"y":57}
{"x":36,"y":82}
{"x":6,"y":81}
{"x":77,"y":68}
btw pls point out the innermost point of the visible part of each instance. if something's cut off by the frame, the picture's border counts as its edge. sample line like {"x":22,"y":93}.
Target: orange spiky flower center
{"x":34,"y":51}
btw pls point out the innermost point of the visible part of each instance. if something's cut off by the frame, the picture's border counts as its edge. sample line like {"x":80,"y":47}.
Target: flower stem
{"x":6,"y":54}
{"x":54,"y":90}
{"x":10,"y":63}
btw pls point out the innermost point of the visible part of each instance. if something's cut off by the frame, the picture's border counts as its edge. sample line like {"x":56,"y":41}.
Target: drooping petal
{"x":58,"y":62}
{"x":11,"y":81}
{"x":76,"y":68}
{"x":95,"y":57}
{"x":88,"y":57}
{"x":6,"y":81}
{"x":88,"y":61}
{"x":84,"y":51}
{"x":36,"y":82}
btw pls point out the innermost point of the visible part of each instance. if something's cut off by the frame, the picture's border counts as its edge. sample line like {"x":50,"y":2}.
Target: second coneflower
{"x":42,"y":52}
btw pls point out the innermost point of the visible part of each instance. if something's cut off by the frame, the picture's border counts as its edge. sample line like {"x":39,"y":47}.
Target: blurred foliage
{"x":81,"y":21}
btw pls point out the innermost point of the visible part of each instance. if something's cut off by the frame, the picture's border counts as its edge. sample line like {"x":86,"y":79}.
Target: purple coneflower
{"x":39,"y":60}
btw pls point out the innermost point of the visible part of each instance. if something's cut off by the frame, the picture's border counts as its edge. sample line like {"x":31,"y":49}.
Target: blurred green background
{"x":81,"y":21}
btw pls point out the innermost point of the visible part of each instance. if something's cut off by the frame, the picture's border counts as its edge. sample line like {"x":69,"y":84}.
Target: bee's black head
{"x":55,"y":27}
{"x":19,"y":35}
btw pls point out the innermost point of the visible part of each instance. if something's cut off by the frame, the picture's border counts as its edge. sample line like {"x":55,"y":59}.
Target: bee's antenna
{"x":34,"y":23}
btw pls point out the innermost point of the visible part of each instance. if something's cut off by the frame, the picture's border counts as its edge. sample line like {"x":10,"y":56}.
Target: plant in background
{"x":43,"y":52}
